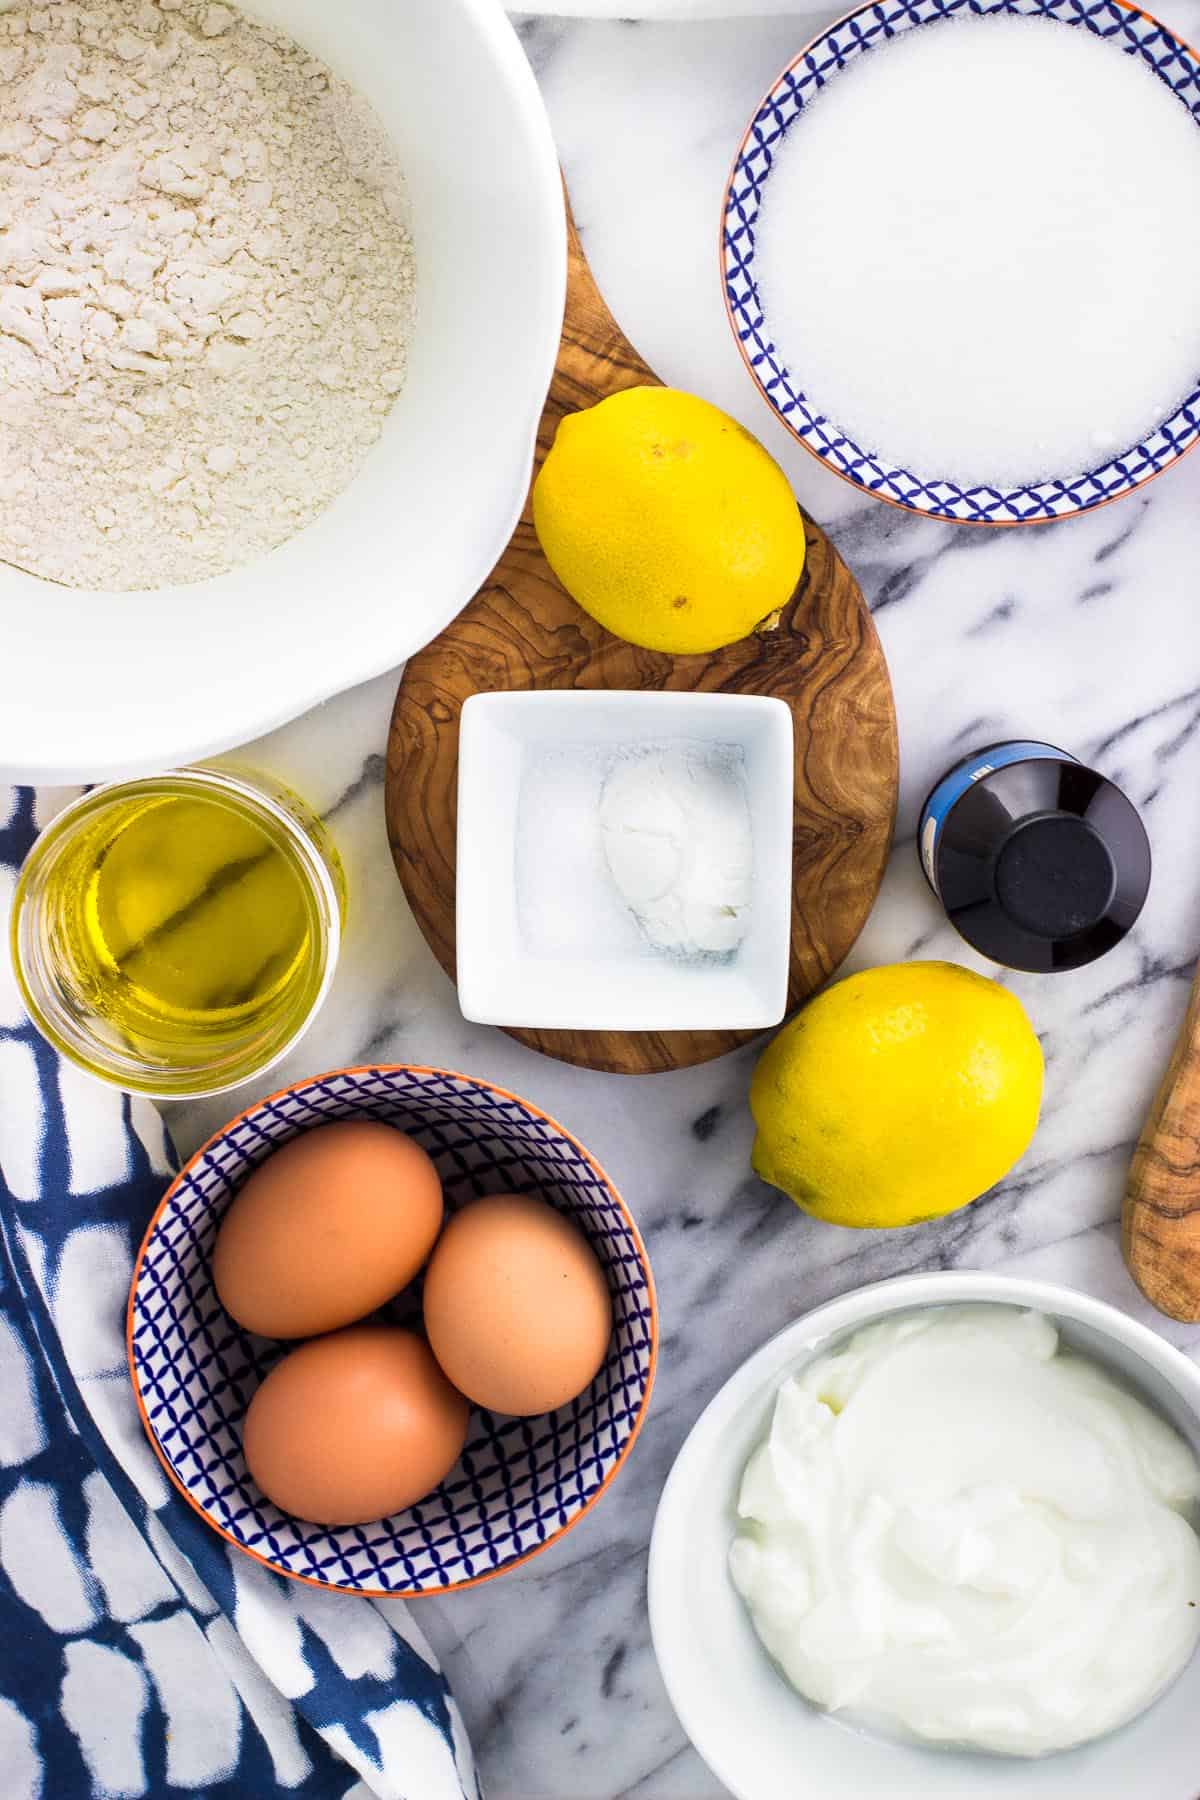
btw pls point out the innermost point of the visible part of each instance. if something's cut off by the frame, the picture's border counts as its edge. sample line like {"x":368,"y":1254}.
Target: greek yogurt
{"x":958,"y":1532}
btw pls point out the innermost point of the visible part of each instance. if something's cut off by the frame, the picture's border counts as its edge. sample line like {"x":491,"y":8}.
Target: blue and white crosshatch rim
{"x":520,"y":1482}
{"x":1131,"y":31}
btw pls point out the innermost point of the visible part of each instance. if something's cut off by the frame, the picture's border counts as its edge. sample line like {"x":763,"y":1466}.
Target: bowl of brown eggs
{"x":392,"y":1331}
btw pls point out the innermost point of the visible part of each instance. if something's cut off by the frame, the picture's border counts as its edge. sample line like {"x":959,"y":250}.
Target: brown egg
{"x":328,"y":1228}
{"x":354,"y":1426}
{"x":517,"y":1306}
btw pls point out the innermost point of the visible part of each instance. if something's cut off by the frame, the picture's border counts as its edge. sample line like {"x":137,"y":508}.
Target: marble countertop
{"x":1084,"y":632}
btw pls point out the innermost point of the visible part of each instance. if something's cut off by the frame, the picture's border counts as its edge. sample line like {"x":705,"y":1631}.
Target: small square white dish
{"x":513,"y":968}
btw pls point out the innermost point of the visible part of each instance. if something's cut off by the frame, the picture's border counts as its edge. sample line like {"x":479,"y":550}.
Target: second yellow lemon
{"x":667,"y":521}
{"x":897,"y":1095}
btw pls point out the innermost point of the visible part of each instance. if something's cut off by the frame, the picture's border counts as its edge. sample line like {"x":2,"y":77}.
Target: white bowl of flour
{"x":178,"y":575}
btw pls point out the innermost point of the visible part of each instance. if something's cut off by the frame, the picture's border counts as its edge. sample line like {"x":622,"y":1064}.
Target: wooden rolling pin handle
{"x":1160,"y":1220}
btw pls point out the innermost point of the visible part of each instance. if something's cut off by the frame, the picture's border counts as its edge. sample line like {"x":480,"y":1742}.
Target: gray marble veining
{"x":1085,"y":632}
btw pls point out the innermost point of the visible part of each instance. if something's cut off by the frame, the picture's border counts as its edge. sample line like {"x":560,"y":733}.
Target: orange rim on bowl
{"x":165,"y":1378}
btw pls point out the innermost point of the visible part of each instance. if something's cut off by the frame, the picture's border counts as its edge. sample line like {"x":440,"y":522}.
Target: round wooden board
{"x":522,"y":631}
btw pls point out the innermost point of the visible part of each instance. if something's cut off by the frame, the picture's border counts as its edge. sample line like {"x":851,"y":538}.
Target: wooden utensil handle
{"x":1160,"y":1220}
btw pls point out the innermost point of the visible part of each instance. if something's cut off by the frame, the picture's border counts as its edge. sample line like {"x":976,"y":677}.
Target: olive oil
{"x":175,"y":933}
{"x":191,"y":920}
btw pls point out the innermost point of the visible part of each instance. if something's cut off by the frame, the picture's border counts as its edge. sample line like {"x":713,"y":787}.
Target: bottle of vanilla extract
{"x":1041,"y":863}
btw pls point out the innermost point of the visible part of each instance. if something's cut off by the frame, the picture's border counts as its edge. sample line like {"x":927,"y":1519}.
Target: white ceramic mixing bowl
{"x":94,"y":685}
{"x":760,"y":1737}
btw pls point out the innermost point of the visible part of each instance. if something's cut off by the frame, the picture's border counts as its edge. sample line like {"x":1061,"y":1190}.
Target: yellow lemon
{"x":897,"y":1095}
{"x":667,"y":521}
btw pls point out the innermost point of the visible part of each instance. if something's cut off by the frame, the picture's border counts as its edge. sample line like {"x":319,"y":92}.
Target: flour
{"x":205,"y":289}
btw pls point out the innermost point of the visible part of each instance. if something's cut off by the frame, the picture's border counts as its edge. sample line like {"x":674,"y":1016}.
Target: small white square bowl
{"x":503,"y":981}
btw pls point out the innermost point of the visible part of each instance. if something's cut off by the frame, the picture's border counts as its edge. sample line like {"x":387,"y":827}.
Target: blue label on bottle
{"x":951,"y":788}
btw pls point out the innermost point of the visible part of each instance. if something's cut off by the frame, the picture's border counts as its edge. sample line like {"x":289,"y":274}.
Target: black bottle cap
{"x":1042,"y":864}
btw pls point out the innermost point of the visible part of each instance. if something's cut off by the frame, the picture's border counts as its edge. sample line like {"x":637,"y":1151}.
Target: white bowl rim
{"x":494,"y":26}
{"x":804,"y":1335}
{"x":307,"y":690}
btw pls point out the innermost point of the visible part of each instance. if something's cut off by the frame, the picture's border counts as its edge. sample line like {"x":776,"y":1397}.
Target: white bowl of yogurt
{"x":973,"y":1540}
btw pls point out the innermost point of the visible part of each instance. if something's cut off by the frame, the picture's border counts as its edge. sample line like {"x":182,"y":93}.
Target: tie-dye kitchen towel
{"x":140,"y":1654}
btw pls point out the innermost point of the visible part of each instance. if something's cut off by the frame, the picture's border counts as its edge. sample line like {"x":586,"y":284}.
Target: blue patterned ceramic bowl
{"x":520,"y":1482}
{"x":856,"y":35}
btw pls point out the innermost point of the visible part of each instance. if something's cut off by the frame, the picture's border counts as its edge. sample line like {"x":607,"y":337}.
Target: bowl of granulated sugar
{"x":960,"y":254}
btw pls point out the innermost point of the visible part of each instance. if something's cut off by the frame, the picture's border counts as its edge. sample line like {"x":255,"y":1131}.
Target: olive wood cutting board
{"x":523,"y":631}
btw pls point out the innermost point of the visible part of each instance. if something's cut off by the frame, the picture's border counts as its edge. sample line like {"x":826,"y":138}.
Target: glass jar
{"x":177,"y":934}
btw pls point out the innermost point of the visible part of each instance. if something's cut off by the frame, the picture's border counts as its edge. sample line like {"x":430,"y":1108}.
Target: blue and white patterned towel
{"x":139,"y":1654}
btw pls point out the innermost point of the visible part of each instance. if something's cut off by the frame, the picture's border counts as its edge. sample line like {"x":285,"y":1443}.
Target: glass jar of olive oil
{"x":177,"y":934}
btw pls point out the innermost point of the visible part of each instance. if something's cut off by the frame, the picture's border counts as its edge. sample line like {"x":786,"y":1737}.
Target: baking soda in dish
{"x":978,"y":251}
{"x":675,"y":823}
{"x":630,"y":851}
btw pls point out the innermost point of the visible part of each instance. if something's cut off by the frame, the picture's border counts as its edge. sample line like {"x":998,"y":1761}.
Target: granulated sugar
{"x":979,"y":251}
{"x":205,"y":288}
